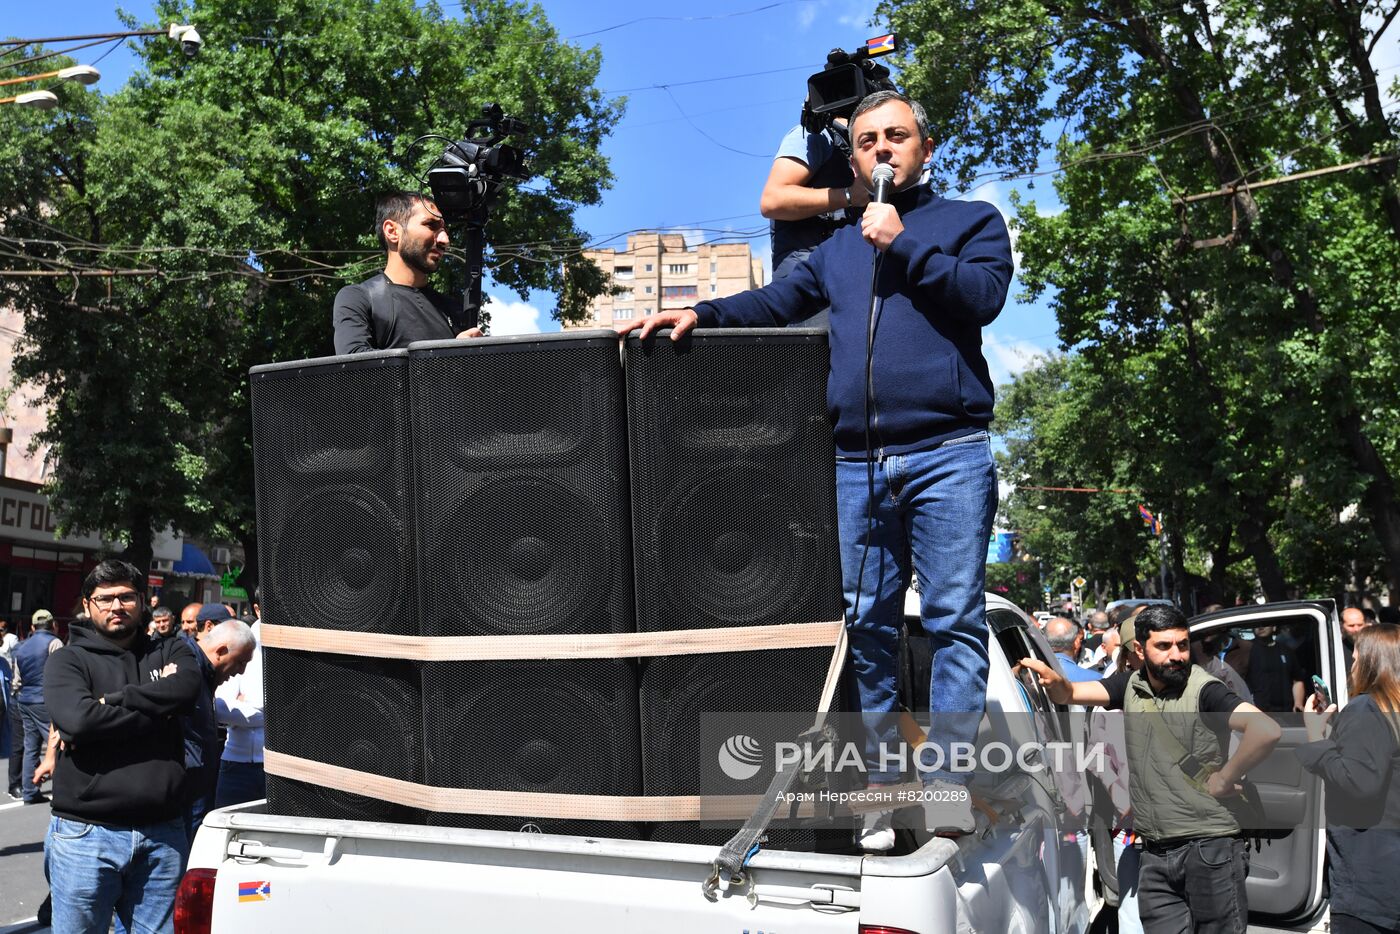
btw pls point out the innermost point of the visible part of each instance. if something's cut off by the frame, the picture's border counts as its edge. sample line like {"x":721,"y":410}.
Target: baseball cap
{"x":41,"y":616}
{"x":213,"y":613}
{"x":1126,"y":631}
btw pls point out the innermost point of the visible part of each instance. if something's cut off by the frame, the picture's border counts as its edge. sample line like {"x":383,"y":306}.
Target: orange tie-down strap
{"x":515,"y":803}
{"x":584,"y":645}
{"x":543,"y":804}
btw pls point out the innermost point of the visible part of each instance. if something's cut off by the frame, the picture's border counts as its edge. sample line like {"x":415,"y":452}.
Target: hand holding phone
{"x":1321,"y":692}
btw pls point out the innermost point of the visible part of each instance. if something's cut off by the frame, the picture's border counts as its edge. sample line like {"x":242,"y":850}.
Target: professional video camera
{"x":466,"y":178}
{"x":847,"y":78}
{"x":471,"y":173}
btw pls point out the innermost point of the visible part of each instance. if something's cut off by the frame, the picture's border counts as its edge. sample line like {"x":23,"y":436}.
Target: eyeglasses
{"x":126,"y":598}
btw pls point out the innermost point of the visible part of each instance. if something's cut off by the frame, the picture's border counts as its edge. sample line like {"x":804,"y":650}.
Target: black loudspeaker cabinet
{"x":562,"y":726}
{"x":522,"y":489}
{"x":691,"y":704}
{"x":335,"y":541}
{"x":357,"y":713}
{"x":733,"y":480}
{"x":334,"y":493}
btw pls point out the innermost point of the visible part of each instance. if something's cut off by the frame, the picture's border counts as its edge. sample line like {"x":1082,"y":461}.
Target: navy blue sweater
{"x":942,"y":279}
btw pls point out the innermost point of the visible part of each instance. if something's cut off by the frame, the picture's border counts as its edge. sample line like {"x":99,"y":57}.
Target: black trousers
{"x":1194,"y":886}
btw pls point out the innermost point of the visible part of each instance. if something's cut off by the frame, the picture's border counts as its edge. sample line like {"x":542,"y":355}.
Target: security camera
{"x":190,"y":40}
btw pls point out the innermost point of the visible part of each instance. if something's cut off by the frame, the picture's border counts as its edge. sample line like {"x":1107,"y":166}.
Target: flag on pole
{"x":1149,"y":520}
{"x":880,"y":45}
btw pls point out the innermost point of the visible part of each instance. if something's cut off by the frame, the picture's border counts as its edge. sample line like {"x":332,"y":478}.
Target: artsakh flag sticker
{"x":254,"y":891}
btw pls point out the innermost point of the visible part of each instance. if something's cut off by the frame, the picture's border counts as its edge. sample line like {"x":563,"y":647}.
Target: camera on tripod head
{"x":845,"y":81}
{"x":470,"y":173}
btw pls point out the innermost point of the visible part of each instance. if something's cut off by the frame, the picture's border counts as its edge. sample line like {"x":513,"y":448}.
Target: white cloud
{"x":859,"y":15}
{"x":807,"y":16}
{"x":512,"y":317}
{"x":1007,"y":358}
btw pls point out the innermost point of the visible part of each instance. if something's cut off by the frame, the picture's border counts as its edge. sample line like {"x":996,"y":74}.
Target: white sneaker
{"x":877,"y":831}
{"x":947,"y":808}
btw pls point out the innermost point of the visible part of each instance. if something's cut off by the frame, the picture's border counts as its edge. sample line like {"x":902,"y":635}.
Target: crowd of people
{"x":1171,"y":818}
{"x":144,"y":722}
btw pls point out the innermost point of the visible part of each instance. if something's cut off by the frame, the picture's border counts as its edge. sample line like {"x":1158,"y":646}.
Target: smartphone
{"x":1320,"y":687}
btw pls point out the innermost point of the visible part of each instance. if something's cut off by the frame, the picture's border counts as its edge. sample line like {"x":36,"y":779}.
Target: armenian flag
{"x":879,"y":45}
{"x":1149,"y":520}
{"x":254,"y":891}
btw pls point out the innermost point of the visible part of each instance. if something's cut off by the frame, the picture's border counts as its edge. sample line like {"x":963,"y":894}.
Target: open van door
{"x":1285,"y":882}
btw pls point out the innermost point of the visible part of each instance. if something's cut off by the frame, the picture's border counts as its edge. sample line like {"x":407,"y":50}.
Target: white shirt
{"x":238,"y":704}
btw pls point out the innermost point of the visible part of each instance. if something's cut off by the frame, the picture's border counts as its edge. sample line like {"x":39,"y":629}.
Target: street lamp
{"x":40,"y":100}
{"x":47,"y":100}
{"x":83,"y":74}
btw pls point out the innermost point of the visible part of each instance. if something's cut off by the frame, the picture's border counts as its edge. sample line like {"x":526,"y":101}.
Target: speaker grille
{"x":734,"y":504}
{"x":331,"y":470}
{"x":678,"y":691}
{"x":522,"y":480}
{"x":360,"y":714}
{"x":568,"y":727}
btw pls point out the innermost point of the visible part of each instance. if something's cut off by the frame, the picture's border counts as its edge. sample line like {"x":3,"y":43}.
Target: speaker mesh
{"x":680,"y":750}
{"x":734,"y":504}
{"x":333,"y":485}
{"x":522,"y":486}
{"x":360,"y":714}
{"x":740,"y":686}
{"x":567,"y":727}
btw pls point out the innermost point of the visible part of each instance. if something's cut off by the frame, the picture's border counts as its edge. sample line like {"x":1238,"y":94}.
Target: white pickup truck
{"x":250,"y":871}
{"x":1029,"y":870}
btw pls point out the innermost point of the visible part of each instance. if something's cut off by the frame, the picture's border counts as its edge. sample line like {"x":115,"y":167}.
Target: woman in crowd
{"x":1360,"y":762}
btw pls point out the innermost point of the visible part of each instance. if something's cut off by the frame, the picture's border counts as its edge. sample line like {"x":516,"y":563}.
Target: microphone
{"x":883,"y":177}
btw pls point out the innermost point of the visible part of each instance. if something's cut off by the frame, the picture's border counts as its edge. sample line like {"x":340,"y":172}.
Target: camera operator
{"x":811,"y":191}
{"x":397,"y":307}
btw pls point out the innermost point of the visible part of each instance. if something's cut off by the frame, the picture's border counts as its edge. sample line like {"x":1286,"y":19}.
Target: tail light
{"x":194,"y":903}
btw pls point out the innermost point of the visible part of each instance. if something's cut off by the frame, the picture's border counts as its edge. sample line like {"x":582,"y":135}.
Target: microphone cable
{"x":882,"y":179}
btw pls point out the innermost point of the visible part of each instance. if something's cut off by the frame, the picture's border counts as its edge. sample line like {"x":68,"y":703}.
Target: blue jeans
{"x":239,"y":782}
{"x":932,"y":515}
{"x":134,"y":871}
{"x":36,"y":737}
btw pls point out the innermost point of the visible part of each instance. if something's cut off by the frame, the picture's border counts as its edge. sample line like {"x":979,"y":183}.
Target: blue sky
{"x":691,"y":153}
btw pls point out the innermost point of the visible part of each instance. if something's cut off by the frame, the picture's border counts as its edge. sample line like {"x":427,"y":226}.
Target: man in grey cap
{"x":30,"y":659}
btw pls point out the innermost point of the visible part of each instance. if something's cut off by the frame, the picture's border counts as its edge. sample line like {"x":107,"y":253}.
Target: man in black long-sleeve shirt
{"x":396,"y":307}
{"x":117,"y":837}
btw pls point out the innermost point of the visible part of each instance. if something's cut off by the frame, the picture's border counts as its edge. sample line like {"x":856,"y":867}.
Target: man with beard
{"x":116,"y":841}
{"x":396,"y":307}
{"x":1177,"y":724}
{"x":1353,"y":621}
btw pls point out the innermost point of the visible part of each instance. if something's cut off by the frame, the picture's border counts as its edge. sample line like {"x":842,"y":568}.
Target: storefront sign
{"x":26,"y":516}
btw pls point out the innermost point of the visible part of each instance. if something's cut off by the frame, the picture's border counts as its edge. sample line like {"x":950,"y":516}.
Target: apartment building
{"x":658,"y":271}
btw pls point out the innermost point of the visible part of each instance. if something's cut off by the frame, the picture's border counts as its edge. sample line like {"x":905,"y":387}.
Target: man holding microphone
{"x":910,"y":399}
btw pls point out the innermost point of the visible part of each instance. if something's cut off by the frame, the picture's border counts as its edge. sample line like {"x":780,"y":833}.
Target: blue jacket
{"x":30,"y":658}
{"x":942,"y":280}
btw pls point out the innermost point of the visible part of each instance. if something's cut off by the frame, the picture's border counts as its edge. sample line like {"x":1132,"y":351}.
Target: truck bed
{"x":356,"y":876}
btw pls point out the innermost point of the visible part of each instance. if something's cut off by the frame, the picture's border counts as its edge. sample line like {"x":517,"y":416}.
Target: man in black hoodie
{"x":117,"y":841}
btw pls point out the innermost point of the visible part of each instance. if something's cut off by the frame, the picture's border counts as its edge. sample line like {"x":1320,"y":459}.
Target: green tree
{"x":1254,"y":316}
{"x":233,"y":194}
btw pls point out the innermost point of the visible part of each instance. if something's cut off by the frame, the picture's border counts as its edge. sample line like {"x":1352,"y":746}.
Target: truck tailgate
{"x":296,"y":875}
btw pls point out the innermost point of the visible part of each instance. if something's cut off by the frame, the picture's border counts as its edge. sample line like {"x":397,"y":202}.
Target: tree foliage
{"x":1230,"y":355}
{"x":234,"y":192}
